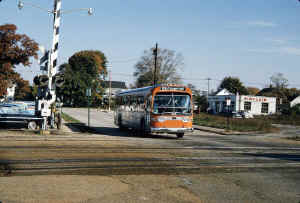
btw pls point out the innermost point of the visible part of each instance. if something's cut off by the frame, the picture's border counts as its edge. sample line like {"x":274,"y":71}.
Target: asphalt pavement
{"x":113,"y":166}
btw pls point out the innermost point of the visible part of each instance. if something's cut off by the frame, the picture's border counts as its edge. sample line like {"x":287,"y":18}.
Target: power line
{"x":124,"y":61}
{"x":205,"y":79}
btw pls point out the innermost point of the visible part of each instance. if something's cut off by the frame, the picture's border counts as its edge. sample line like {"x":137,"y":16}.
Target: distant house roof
{"x":114,"y":84}
{"x":223,"y":92}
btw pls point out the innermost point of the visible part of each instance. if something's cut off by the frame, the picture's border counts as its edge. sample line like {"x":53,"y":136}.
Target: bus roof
{"x":146,"y":90}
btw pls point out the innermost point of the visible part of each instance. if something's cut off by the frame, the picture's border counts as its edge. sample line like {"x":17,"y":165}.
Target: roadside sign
{"x":88,"y":92}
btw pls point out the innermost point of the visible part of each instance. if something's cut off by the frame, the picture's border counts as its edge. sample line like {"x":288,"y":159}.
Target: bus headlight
{"x":159,"y":119}
{"x":186,"y":119}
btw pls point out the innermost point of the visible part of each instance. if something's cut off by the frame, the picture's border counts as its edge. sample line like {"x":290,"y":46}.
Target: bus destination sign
{"x":173,"y":88}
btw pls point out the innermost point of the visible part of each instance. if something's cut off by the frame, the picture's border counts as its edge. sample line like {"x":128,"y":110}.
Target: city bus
{"x":155,"y":109}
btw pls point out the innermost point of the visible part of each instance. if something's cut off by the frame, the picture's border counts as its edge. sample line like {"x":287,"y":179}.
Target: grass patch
{"x":295,"y":138}
{"x":69,"y":119}
{"x":235,"y":124}
{"x":282,"y":119}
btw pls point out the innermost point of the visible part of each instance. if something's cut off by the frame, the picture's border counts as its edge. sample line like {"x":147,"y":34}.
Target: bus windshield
{"x":173,"y":103}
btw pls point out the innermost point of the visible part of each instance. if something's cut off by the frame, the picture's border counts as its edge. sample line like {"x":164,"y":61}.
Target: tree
{"x":168,"y":64}
{"x":23,"y":90}
{"x":195,"y":91}
{"x":201,"y":102}
{"x":253,"y":90}
{"x":85,"y":69}
{"x":15,"y":49}
{"x":279,"y":81}
{"x":233,"y":85}
{"x":291,"y":93}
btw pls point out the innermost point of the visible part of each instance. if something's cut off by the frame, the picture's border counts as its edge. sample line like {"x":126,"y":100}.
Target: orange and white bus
{"x":156,"y":109}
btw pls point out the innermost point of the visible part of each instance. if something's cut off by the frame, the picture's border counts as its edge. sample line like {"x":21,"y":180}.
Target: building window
{"x":232,"y":105}
{"x":265,"y":108}
{"x":224,"y":106}
{"x":247,"y":106}
{"x":217,"y":107}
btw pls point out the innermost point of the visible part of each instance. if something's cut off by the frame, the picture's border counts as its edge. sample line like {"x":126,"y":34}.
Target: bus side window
{"x":133,"y":102}
{"x":118,"y":101}
{"x":130,"y":100}
{"x":125,"y":100}
{"x":140,"y":100}
{"x":148,"y":103}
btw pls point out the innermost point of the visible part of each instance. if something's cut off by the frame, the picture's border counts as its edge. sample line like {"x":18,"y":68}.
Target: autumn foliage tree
{"x":253,"y":90}
{"x":15,"y":49}
{"x":85,"y":69}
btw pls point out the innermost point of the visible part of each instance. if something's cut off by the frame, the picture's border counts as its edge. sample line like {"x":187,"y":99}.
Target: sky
{"x":248,"y":39}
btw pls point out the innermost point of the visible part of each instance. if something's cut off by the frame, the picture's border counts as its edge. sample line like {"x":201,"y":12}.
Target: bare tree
{"x":169,"y":63}
{"x":194,"y":89}
{"x":279,"y":81}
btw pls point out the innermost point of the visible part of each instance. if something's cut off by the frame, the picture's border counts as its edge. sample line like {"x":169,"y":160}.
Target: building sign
{"x":228,"y":101}
{"x":173,"y":88}
{"x":255,"y":99}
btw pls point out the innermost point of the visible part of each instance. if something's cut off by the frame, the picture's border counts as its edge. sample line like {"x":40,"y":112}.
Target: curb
{"x":222,"y":132}
{"x":211,"y":130}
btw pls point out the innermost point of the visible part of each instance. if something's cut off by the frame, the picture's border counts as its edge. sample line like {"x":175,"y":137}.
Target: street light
{"x":90,"y":11}
{"x":110,"y":93}
{"x":21,"y":5}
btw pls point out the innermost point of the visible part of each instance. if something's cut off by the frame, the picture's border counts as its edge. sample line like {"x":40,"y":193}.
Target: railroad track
{"x":134,"y":165}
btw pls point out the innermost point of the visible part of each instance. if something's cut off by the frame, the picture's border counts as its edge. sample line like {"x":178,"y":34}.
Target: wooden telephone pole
{"x":155,"y":64}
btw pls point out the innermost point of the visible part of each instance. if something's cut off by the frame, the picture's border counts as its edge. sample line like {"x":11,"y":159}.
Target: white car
{"x":236,"y":114}
{"x":246,"y":114}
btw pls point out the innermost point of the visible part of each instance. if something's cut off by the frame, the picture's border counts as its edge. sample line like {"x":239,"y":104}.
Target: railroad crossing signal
{"x":44,"y":59}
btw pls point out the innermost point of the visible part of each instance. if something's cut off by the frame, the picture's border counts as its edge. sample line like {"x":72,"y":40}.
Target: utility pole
{"x":109,"y":98}
{"x":208,"y":79}
{"x":155,"y":64}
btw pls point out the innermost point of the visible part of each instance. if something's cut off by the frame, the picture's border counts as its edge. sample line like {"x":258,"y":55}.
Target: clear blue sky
{"x":250,"y":39}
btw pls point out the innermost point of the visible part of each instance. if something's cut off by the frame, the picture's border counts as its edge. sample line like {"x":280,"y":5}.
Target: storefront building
{"x":255,"y":105}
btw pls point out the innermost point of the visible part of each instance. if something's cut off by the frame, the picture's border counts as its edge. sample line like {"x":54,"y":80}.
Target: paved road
{"x":201,"y":167}
{"x":97,"y":118}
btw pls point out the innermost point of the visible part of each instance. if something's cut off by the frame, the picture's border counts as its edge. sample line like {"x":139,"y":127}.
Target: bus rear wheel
{"x":180,"y":135}
{"x":142,"y":130}
{"x":121,"y":126}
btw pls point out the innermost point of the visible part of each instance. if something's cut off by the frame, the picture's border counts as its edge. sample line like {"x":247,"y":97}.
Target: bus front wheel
{"x":180,"y":135}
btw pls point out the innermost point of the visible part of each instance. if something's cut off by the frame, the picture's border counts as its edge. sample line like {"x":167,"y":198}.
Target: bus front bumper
{"x":171,"y":130}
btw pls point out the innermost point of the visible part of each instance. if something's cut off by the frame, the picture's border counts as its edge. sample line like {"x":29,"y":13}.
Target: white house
{"x":255,"y":105}
{"x":116,"y":86}
{"x":10,"y":93}
{"x":295,"y":101}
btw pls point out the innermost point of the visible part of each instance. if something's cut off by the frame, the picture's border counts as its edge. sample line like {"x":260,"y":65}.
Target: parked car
{"x":246,"y":114}
{"x":236,"y":114}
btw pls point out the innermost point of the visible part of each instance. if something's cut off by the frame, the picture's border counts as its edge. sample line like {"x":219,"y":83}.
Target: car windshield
{"x":172,"y":103}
